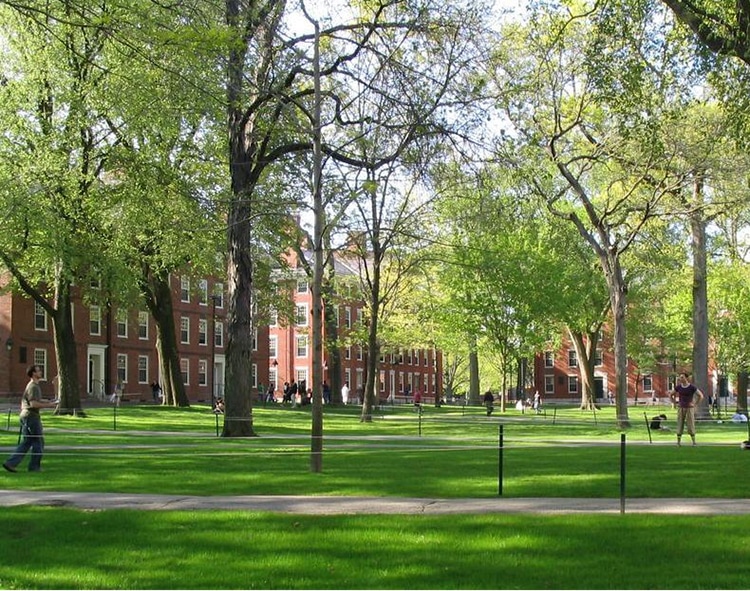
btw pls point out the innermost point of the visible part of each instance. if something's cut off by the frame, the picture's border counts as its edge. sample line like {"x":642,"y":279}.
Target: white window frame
{"x":202,"y":332}
{"x":185,"y":289}
{"x":40,"y":315}
{"x":143,"y":325}
{"x":122,"y":368}
{"x":95,"y":320}
{"x":300,"y":315}
{"x":40,"y":359}
{"x":202,"y":372}
{"x":143,"y":369}
{"x":203,"y":292}
{"x":301,"y":345}
{"x":122,"y":323}
{"x":185,"y":370}
{"x":184,"y":330}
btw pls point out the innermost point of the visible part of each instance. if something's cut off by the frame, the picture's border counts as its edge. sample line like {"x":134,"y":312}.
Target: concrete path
{"x":319,"y":505}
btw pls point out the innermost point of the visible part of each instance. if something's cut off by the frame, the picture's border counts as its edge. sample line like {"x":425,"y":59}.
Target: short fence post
{"x":419,"y":410}
{"x":8,"y":419}
{"x":622,"y":473}
{"x":500,"y":460}
{"x":114,"y":417}
{"x":648,"y":427}
{"x":216,"y":417}
{"x":554,"y":415}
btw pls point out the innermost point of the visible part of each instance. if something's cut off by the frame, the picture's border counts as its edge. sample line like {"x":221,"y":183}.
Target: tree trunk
{"x":742,"y":379}
{"x":158,"y":297}
{"x":618,"y":304}
{"x":368,"y":404}
{"x":585,"y":349}
{"x":700,"y":302}
{"x":66,"y":352}
{"x":243,"y":151}
{"x":330,"y":316}
{"x":472,"y":396}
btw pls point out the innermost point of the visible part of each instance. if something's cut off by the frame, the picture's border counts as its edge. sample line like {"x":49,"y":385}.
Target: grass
{"x":570,"y":454}
{"x":243,"y":550}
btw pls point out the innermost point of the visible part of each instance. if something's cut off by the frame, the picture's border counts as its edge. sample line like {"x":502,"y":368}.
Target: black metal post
{"x":622,"y":473}
{"x":419,"y":410}
{"x":114,"y":417}
{"x":500,"y":460}
{"x":648,"y":427}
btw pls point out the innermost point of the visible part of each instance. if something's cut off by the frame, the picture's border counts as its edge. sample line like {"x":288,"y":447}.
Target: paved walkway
{"x":319,"y":505}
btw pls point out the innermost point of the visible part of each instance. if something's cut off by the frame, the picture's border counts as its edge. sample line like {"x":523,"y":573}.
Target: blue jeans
{"x":33,"y":439}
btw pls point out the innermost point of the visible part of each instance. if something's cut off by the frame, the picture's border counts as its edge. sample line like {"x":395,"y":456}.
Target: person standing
{"x":31,"y":423}
{"x":345,"y":393}
{"x":326,"y":393}
{"x":686,"y":394}
{"x":156,"y":391}
{"x":489,"y":402}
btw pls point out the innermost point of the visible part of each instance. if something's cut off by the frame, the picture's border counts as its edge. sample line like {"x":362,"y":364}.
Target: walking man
{"x":687,"y":396}
{"x":31,"y":423}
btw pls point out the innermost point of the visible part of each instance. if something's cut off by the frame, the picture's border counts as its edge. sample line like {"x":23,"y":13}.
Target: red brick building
{"x":117,"y":345}
{"x":557,"y":375}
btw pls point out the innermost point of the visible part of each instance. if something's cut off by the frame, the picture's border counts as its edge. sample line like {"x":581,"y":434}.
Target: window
{"x":408,"y":357}
{"x":302,"y":285}
{"x":302,"y":346}
{"x":598,"y":357}
{"x":301,"y":315}
{"x":185,"y":371}
{"x":572,"y":384}
{"x":348,"y":377}
{"x":202,"y":372}
{"x":143,"y":326}
{"x":273,"y":319}
{"x":203,"y":292}
{"x":549,"y":384}
{"x":348,"y":317}
{"x":184,"y":289}
{"x":255,"y":339}
{"x":648,"y":383}
{"x":549,"y":359}
{"x":219,"y":334}
{"x":143,"y":369}
{"x":254,"y":375}
{"x":416,"y":357}
{"x":348,"y":353}
{"x":184,"y":329}
{"x":360,"y":379}
{"x":273,"y":378}
{"x":40,"y":317}
{"x":273,"y":343}
{"x":426,"y":360}
{"x":122,"y":324}
{"x":360,"y":353}
{"x":382,"y":381}
{"x":202,"y":331}
{"x":218,"y":296}
{"x":572,"y":358}
{"x":40,"y":359}
{"x":122,"y":368}
{"x":301,"y":377}
{"x":95,"y":320}
{"x":359,"y":316}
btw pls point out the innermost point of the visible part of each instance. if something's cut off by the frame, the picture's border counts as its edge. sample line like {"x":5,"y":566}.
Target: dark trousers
{"x":32,"y":439}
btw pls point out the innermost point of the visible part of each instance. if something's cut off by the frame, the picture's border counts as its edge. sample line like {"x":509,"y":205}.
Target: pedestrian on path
{"x":31,"y":423}
{"x":687,"y":396}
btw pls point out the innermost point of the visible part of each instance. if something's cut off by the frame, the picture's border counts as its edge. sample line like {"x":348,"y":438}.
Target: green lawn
{"x":448,"y":452}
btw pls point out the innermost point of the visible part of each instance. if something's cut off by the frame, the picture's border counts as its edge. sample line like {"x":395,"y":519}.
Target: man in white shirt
{"x":345,"y":393}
